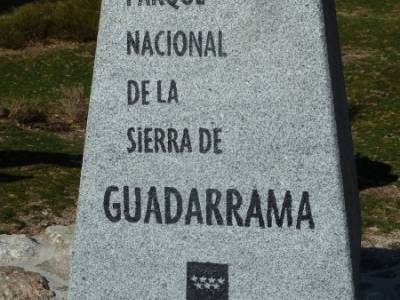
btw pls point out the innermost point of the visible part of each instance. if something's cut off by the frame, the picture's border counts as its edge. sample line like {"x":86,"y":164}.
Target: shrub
{"x":24,"y":114}
{"x":74,"y":103}
{"x":69,"y":19}
{"x":10,"y":37}
{"x":17,"y":107}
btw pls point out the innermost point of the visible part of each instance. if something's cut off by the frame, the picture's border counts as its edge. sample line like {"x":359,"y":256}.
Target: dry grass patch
{"x":355,"y":12}
{"x":25,"y":115}
{"x":350,"y":55}
{"x":381,"y":209}
{"x":40,"y":48}
{"x":74,"y":103}
{"x":384,"y":192}
{"x":373,"y":238}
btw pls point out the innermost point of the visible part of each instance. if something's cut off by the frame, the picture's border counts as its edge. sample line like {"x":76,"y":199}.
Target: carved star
{"x":198,"y":286}
{"x":207,"y":286}
{"x":211,"y":280}
{"x":216,"y":286}
{"x":221,"y":280}
{"x":194,"y":278}
{"x":203,"y":279}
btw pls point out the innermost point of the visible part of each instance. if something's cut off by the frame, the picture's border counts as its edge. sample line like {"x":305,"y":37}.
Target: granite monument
{"x":218,"y":160}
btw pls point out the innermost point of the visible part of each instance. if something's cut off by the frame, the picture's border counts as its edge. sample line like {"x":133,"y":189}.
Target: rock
{"x":59,"y":236}
{"x":46,"y":254}
{"x":49,"y":254}
{"x":16,"y":283}
{"x":16,"y":247}
{"x":58,"y":265}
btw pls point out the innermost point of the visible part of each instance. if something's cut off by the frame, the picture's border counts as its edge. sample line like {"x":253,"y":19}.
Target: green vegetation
{"x":63,"y":19}
{"x":39,"y":166}
{"x":39,"y":176}
{"x":381,"y":213}
{"x":38,"y":75}
{"x":39,"y":169}
{"x":370,"y":35}
{"x":44,"y":175}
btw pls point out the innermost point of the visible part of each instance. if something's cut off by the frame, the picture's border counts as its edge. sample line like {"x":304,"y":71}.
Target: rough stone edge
{"x":343,"y":128}
{"x":78,"y":218}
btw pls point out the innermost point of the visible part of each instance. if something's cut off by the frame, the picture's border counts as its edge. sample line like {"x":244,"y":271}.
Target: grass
{"x":43,"y":19}
{"x":39,"y":78}
{"x":39,"y":170}
{"x":383,"y":214}
{"x":370,"y":35}
{"x":368,"y":7}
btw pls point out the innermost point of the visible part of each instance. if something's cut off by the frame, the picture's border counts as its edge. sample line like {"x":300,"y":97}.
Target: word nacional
{"x":207,"y":207}
{"x":176,"y":43}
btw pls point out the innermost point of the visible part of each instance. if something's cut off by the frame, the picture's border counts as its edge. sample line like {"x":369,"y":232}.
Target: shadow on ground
{"x":12,"y":178}
{"x":370,"y":173}
{"x":10,"y":159}
{"x":6,"y":5}
{"x":380,"y":274}
{"x":373,"y":173}
{"x":354,"y":110}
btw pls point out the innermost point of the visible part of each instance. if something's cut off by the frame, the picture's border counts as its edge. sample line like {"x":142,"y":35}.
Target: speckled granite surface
{"x":263,"y":90}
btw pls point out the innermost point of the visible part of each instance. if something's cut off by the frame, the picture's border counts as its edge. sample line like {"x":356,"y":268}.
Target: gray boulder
{"x":16,"y":283}
{"x":16,"y":247}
